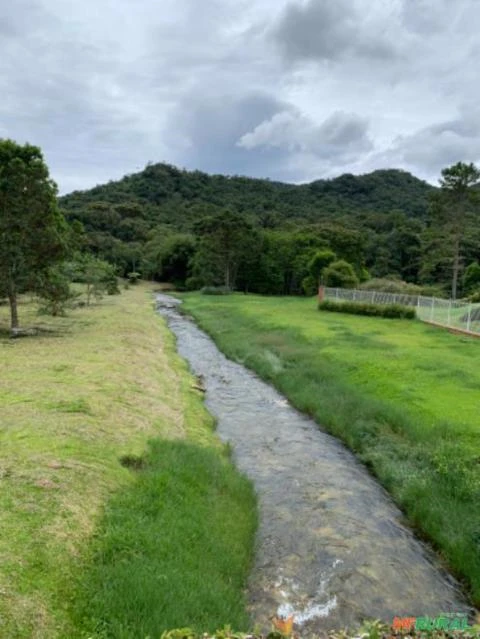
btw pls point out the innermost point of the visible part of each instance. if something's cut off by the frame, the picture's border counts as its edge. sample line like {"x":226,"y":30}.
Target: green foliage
{"x":168,"y":194}
{"x":53,"y":287}
{"x":310,"y":285}
{"x":98,"y":275}
{"x":33,"y":232}
{"x":399,"y":286}
{"x":167,"y":257}
{"x":319,"y":263}
{"x":224,"y":239}
{"x":391,"y":311}
{"x":133,"y":277}
{"x":155,"y":222}
{"x":111,"y":283}
{"x":340,"y":274}
{"x":471,"y":278}
{"x":454,"y":209}
{"x":475,"y":298}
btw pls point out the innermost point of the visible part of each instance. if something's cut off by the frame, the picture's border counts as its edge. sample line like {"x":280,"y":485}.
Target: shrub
{"x":216,"y":290}
{"x":340,"y":274}
{"x":98,"y":275}
{"x":310,"y":285}
{"x":386,"y":285}
{"x":53,"y":287}
{"x":133,"y":277}
{"x":390,"y":311}
{"x":471,"y":278}
{"x":111,"y":284}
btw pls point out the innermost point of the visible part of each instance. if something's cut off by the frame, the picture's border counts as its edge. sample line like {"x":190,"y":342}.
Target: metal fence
{"x":451,"y":314}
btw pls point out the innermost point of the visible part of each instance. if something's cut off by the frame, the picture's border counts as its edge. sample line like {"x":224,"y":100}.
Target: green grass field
{"x":403,"y":395}
{"x":91,"y":547}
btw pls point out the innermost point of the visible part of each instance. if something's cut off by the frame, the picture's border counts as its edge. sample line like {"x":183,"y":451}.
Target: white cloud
{"x":338,"y":136}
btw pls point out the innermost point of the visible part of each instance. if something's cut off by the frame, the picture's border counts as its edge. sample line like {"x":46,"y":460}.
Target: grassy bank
{"x":82,"y":532}
{"x":403,"y":395}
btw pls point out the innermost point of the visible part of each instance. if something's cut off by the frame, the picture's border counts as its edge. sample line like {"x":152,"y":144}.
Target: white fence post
{"x":469,"y":316}
{"x":433,"y":308}
{"x":449,"y":320}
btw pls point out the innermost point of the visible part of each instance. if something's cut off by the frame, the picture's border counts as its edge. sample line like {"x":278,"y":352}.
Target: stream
{"x":331,"y":547}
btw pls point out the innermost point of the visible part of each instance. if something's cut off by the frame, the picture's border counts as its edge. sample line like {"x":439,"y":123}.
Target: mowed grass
{"x":403,"y":395}
{"x":91,"y":547}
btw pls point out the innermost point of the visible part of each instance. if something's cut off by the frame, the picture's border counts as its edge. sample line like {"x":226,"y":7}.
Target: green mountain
{"x":181,"y":226}
{"x":172,"y":196}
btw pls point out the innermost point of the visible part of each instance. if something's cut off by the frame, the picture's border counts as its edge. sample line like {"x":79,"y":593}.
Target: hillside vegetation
{"x":195,"y":229}
{"x":190,"y":227}
{"x":170,"y":195}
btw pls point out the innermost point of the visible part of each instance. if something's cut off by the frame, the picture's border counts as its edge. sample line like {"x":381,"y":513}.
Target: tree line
{"x":196,"y":230}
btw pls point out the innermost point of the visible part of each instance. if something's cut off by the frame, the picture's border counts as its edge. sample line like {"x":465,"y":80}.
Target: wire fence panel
{"x":451,"y":314}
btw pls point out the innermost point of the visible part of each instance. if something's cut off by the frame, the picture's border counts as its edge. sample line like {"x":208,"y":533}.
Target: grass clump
{"x":390,"y":311}
{"x":403,"y":396}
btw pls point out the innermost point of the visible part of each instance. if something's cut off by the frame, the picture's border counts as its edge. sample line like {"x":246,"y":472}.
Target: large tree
{"x":225,"y":238}
{"x":32,"y":229}
{"x":454,"y":210}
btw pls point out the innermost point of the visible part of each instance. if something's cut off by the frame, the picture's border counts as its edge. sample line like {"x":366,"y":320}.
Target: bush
{"x":53,"y":288}
{"x":390,"y":311}
{"x":111,"y":284}
{"x":386,"y":285}
{"x":133,"y":277}
{"x":216,"y":290}
{"x":340,"y":274}
{"x":310,"y":285}
{"x":474,"y":298}
{"x":471,"y":278}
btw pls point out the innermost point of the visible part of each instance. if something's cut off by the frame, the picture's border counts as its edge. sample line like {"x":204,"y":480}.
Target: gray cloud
{"x":326,"y":30}
{"x":427,"y":17}
{"x":211,"y":126}
{"x":268,"y":88}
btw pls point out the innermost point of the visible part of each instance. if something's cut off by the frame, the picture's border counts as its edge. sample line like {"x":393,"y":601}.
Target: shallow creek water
{"x":331,"y":547}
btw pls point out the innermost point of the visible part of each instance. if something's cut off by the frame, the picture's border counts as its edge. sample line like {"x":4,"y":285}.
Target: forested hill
{"x":196,"y":229}
{"x":171,"y":196}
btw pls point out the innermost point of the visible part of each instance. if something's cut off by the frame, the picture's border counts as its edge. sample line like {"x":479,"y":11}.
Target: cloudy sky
{"x":293,"y":90}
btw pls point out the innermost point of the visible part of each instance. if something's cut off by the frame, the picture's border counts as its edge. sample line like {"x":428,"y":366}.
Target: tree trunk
{"x":12,"y":298}
{"x":456,"y":266}
{"x":227,"y":275}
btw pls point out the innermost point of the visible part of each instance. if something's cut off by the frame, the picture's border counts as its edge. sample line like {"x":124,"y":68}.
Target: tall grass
{"x":392,"y":391}
{"x":172,"y":550}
